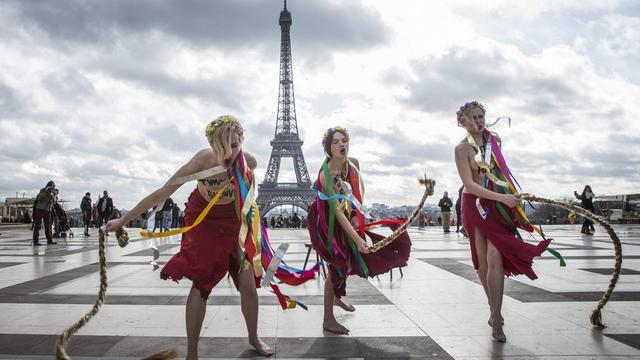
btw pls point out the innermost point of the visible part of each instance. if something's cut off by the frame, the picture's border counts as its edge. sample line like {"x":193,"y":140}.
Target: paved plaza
{"x":436,"y":309}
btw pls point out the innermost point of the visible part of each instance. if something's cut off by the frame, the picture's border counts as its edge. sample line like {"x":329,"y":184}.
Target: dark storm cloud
{"x":442,"y":83}
{"x":204,"y":23}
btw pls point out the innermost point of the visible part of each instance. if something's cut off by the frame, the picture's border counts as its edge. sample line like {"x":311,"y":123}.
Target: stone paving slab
{"x":435,"y":310}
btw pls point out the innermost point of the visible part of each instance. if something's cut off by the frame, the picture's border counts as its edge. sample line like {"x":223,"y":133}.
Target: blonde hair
{"x":219,"y":133}
{"x":466,"y":110}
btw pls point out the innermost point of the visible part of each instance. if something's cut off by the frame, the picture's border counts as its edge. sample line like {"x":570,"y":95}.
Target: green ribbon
{"x":363,"y":265}
{"x":332,"y":206}
{"x":505,"y":215}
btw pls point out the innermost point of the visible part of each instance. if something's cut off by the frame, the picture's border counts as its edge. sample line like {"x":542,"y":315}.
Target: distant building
{"x":623,"y":209}
{"x":14,"y":208}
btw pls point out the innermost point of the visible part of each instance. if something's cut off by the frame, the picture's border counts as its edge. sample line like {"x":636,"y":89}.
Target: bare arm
{"x":464,"y":170}
{"x":251,"y":161}
{"x":357,"y":164}
{"x":194,"y":165}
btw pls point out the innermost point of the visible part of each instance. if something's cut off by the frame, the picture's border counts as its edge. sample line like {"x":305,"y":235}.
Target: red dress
{"x":517,"y":255}
{"x":209,"y":250}
{"x":344,"y":260}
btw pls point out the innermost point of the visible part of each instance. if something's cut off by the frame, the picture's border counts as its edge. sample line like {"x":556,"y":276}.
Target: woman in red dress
{"x":211,"y":249}
{"x":337,"y":229}
{"x":488,"y":214}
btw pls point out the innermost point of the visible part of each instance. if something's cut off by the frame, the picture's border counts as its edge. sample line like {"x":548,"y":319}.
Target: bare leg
{"x":495,"y":284}
{"x":330,"y":323}
{"x":249,"y":306}
{"x":196,"y":309}
{"x":481,"y":250}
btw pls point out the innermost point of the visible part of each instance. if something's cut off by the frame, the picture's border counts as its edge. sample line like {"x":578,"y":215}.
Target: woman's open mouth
{"x":343,"y":151}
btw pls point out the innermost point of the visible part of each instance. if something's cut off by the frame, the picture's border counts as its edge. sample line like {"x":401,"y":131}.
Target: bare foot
{"x":334,"y":327}
{"x":498,"y":333}
{"x":490,"y":322}
{"x":343,"y":305}
{"x":260,"y":347}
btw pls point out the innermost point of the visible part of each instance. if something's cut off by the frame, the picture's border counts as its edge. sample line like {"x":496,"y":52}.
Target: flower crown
{"x":329,"y":133}
{"x":217,"y":123}
{"x":468,"y":105}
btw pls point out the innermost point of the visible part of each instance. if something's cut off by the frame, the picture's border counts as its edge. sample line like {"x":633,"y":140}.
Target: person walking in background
{"x":85,"y":207}
{"x":42,"y":213}
{"x":445,"y":205}
{"x":587,"y":203}
{"x":167,"y":210}
{"x":105,"y":208}
{"x":175,"y":216}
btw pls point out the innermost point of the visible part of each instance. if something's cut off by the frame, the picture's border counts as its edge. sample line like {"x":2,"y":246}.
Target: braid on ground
{"x":63,"y":341}
{"x":429,"y":184}
{"x":596,"y":315}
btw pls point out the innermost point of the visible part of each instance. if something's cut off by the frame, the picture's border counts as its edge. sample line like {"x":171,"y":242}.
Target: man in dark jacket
{"x":445,"y":205}
{"x":175,"y":216}
{"x":85,"y":206}
{"x":42,"y":212}
{"x":167,"y":209}
{"x":105,"y":208}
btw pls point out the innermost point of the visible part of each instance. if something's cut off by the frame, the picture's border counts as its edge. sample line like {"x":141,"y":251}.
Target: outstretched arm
{"x":194,"y":165}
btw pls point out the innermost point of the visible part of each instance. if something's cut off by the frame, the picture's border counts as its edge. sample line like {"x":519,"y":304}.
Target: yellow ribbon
{"x":483,"y":165}
{"x":249,"y":201}
{"x":203,"y":214}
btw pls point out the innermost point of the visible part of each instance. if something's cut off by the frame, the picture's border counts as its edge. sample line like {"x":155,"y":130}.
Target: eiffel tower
{"x":286,"y":143}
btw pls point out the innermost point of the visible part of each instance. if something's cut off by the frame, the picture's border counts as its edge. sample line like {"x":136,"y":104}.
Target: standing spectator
{"x":273,"y":222}
{"x":175,"y":216}
{"x":296,"y":220}
{"x":587,"y":203}
{"x":105,"y":208}
{"x":157,"y":221}
{"x":445,"y":205}
{"x":166,"y":214}
{"x":85,"y":207}
{"x":27,"y":217}
{"x":42,"y":213}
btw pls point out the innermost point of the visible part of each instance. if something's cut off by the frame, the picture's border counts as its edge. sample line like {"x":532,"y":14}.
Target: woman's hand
{"x":510,"y":200}
{"x":362,"y":246}
{"x":113,"y":225}
{"x":468,"y":123}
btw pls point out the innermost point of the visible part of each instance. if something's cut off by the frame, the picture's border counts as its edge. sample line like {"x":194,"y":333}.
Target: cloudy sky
{"x":115,"y":94}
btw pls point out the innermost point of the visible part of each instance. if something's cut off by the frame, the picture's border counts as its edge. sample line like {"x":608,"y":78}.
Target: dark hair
{"x":50,"y":183}
{"x":584,"y":191}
